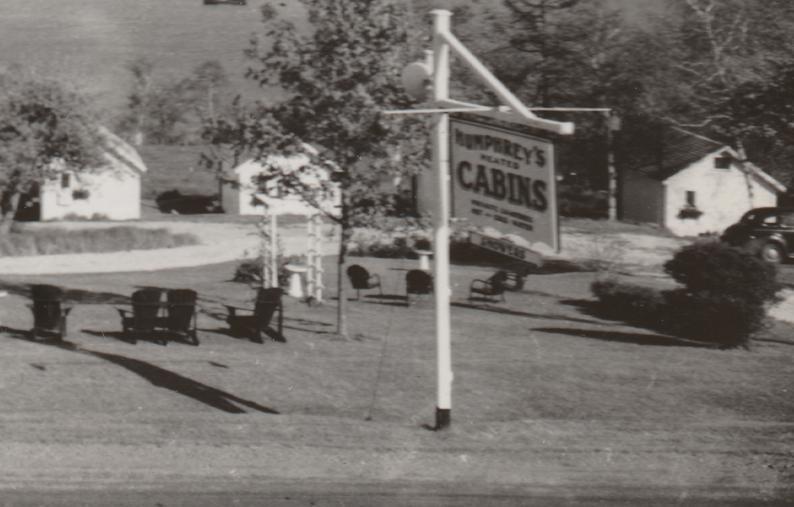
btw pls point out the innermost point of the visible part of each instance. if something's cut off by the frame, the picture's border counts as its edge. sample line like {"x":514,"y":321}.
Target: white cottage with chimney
{"x":694,"y":185}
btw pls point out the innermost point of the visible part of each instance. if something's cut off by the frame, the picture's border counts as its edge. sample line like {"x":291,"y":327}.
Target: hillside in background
{"x":89,"y":42}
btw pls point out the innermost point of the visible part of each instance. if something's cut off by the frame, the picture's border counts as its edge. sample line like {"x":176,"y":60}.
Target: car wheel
{"x":772,"y":253}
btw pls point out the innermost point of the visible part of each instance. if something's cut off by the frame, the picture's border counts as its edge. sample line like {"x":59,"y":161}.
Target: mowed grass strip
{"x":113,"y":239}
{"x":538,"y":356}
{"x":539,"y":381}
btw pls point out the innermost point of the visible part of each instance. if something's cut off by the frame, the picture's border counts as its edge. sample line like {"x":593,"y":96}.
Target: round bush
{"x":714,"y":267}
{"x":725,"y":293}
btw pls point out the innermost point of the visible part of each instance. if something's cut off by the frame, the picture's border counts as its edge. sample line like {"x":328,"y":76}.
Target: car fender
{"x":755,"y":244}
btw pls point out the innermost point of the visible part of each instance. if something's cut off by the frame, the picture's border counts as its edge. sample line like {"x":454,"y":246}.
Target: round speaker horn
{"x":416,"y":80}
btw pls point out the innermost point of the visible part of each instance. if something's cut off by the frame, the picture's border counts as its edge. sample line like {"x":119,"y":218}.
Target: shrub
{"x":723,"y":300}
{"x":721,"y":319}
{"x":712,"y":267}
{"x":114,"y":239}
{"x":725,"y":293}
{"x":96,"y":217}
{"x":394,"y":244}
{"x":629,"y":302}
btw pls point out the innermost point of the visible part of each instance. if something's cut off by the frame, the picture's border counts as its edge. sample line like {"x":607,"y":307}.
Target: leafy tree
{"x":716,"y":61}
{"x":207,"y":83}
{"x":44,"y":128}
{"x":136,"y":118}
{"x":768,"y":117}
{"x":715,"y":50}
{"x":171,"y":111}
{"x":338,"y":76}
{"x":569,"y":53}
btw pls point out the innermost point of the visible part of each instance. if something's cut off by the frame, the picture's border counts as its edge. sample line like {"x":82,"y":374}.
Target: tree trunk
{"x":341,"y":308}
{"x":9,"y":211}
{"x":744,"y":164}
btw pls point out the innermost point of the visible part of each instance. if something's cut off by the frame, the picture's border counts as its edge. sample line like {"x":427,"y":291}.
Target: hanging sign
{"x":504,"y":179}
{"x":506,"y":248}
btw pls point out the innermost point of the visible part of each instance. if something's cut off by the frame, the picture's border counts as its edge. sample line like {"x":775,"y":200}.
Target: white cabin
{"x":111,"y":191}
{"x":695,"y":186}
{"x":241,"y":195}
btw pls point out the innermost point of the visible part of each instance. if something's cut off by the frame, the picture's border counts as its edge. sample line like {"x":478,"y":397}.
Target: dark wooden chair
{"x":145,"y":318}
{"x":268,"y":303}
{"x":361,"y":279}
{"x":181,"y":313}
{"x":418,"y":283}
{"x":494,"y":286}
{"x":49,"y":313}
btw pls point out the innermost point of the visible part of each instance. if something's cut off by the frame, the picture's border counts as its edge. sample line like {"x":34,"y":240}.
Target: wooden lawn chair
{"x":268,"y":303}
{"x":144,"y":319}
{"x":361,"y":279}
{"x":49,"y":314}
{"x":181,"y":313}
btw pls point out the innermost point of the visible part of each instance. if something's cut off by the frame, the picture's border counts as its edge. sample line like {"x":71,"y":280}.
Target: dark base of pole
{"x":443,"y":418}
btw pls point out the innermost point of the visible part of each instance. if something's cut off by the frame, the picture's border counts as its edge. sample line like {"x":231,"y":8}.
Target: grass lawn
{"x":54,"y":240}
{"x":545,"y":393}
{"x":603,"y":226}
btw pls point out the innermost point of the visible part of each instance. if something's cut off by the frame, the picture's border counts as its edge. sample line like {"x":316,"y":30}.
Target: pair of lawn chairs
{"x":417,"y":281}
{"x":150,"y":316}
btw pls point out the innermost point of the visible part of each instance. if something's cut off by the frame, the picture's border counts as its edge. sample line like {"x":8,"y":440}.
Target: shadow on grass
{"x":269,"y":332}
{"x":116,"y":335}
{"x":621,"y":337}
{"x":517,"y":313}
{"x":158,"y":377}
{"x":388,"y":300}
{"x":387,"y":297}
{"x":158,"y":337}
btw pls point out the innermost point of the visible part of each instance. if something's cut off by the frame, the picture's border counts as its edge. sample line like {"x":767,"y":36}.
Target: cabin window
{"x":722,"y":162}
{"x":690,"y":198}
{"x":66,"y":180}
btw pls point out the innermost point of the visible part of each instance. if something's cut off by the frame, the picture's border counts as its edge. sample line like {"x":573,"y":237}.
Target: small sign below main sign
{"x":505,"y":180}
{"x":506,"y":248}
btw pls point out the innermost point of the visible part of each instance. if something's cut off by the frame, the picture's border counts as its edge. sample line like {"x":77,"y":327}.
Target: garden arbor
{"x":269,"y":252}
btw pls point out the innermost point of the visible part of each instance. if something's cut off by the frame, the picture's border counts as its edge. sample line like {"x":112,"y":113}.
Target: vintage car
{"x":769,"y":232}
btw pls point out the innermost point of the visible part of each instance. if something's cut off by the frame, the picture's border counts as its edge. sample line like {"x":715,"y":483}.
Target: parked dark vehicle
{"x":768,"y":232}
{"x":233,"y":2}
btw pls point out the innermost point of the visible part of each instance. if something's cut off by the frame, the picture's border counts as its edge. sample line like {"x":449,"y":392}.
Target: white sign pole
{"x":441,"y":25}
